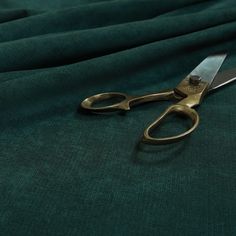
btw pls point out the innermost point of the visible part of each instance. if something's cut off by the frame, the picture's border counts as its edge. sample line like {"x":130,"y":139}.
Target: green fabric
{"x":65,"y":172}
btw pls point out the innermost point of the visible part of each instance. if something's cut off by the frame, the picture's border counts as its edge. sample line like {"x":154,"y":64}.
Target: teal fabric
{"x":65,"y":172}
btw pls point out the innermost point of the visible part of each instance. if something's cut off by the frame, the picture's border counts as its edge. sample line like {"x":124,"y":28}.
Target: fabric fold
{"x":67,"y":172}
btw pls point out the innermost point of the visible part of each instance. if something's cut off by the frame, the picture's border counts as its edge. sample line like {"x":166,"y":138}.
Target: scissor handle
{"x":126,"y":100}
{"x":89,"y":102}
{"x":177,"y":108}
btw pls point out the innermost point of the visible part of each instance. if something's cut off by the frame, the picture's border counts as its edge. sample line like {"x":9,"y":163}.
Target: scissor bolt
{"x":194,"y":79}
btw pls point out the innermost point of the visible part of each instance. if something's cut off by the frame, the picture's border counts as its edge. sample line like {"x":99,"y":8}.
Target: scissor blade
{"x":223,"y":78}
{"x":209,"y":67}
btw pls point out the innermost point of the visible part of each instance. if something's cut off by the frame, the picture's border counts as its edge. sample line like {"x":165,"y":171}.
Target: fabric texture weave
{"x":65,"y":172}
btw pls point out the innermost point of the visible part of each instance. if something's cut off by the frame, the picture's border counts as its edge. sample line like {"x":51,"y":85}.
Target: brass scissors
{"x":188,"y":93}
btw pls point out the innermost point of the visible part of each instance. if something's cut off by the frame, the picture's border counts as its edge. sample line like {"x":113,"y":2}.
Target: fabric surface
{"x":65,"y":172}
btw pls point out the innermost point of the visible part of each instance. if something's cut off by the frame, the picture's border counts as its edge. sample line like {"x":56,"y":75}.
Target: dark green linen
{"x":65,"y":172}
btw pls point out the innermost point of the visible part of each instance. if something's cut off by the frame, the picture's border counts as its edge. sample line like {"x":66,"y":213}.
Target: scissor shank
{"x":193,"y":93}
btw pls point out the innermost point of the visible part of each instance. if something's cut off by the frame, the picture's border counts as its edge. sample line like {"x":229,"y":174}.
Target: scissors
{"x":187,"y":94}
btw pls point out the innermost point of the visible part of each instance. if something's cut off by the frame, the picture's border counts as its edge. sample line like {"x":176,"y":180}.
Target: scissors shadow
{"x":144,"y":154}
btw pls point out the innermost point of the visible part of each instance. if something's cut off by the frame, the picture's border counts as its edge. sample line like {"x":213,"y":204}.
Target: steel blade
{"x":209,"y":67}
{"x":223,"y":78}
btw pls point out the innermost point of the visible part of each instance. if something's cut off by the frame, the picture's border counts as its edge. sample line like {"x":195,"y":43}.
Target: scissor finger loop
{"x":179,"y":109}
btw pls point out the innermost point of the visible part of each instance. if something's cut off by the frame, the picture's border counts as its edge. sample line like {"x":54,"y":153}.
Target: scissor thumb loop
{"x":124,"y":106}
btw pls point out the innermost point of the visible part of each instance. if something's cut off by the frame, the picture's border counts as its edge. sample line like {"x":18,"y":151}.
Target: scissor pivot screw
{"x":194,"y":79}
